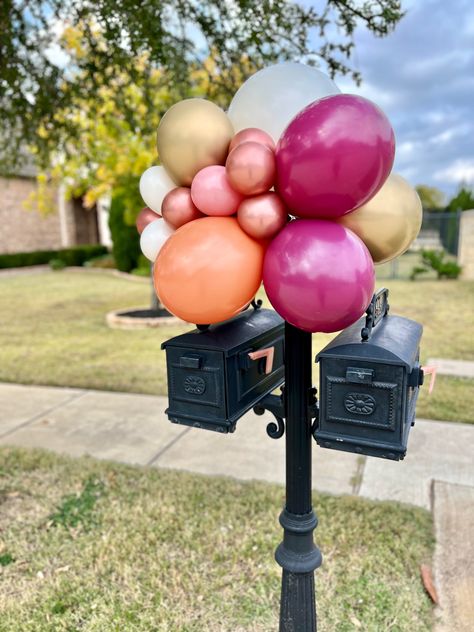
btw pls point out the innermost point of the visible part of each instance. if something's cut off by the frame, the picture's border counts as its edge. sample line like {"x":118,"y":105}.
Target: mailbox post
{"x":297,"y":554}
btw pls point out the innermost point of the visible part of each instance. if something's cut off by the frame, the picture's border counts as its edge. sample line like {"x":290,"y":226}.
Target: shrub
{"x":143,"y":267}
{"x":57,"y":264}
{"x":126,"y":240}
{"x":435,"y":260}
{"x":103,"y":261}
{"x":70,"y":256}
{"x":143,"y":272}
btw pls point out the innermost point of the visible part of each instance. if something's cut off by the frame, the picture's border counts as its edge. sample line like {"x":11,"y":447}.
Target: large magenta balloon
{"x":318,"y":275}
{"x":334,"y":156}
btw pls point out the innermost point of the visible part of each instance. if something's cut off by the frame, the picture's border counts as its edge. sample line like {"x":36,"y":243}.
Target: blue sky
{"x":422,"y":76}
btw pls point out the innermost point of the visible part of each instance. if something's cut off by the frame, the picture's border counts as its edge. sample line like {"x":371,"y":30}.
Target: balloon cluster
{"x":292,"y":185}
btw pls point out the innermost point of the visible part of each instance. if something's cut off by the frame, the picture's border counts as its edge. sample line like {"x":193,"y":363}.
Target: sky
{"x":422,"y":76}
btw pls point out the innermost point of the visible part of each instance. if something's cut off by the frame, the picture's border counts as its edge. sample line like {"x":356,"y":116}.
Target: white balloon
{"x":154,"y":237}
{"x":155,"y":183}
{"x":272,"y":97}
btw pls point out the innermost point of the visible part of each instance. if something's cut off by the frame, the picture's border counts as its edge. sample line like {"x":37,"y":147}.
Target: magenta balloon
{"x":318,"y":275}
{"x":334,"y":156}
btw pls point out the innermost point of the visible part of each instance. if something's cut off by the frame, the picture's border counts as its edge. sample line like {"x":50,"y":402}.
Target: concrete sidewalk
{"x":133,"y":428}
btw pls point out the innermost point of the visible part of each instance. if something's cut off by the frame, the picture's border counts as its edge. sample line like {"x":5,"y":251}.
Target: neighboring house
{"x":69,"y":223}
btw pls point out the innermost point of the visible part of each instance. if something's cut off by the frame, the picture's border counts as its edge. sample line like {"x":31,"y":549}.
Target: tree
{"x":110,"y":151}
{"x":431,"y":197}
{"x":171,"y":36}
{"x":463,"y":200}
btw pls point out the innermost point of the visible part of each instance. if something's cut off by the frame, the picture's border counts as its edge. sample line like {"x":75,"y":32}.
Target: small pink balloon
{"x":252,"y":134}
{"x":145,"y":217}
{"x":251,"y":168}
{"x":178,"y":208}
{"x":262,"y":216}
{"x":317,"y":276}
{"x":212,"y":193}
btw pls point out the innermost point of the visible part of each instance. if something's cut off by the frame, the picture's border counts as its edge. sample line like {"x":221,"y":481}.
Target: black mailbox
{"x":218,"y":374}
{"x":369,"y":383}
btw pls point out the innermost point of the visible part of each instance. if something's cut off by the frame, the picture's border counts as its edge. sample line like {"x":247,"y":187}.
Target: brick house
{"x":27,"y":230}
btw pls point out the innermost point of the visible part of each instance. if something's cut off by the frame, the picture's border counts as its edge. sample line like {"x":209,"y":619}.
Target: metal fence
{"x":439,"y":231}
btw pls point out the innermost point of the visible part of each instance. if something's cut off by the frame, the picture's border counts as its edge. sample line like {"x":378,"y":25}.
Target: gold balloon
{"x":193,"y":134}
{"x":389,"y":222}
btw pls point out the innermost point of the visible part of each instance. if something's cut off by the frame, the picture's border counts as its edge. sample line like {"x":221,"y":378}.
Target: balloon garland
{"x":292,"y":186}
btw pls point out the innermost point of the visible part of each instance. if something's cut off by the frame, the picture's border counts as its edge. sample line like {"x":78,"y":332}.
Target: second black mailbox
{"x":215,"y":376}
{"x":369,"y":384}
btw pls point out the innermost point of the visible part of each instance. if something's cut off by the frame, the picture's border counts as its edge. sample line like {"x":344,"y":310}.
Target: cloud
{"x":461,"y":170}
{"x":422,"y":76}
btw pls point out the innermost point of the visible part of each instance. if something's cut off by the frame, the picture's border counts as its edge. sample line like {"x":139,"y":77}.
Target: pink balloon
{"x":145,"y":217}
{"x":212,"y":194}
{"x":318,"y":275}
{"x":252,"y":134}
{"x":334,"y":156}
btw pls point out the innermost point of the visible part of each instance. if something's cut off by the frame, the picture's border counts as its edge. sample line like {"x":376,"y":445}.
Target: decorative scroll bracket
{"x":276,"y":405}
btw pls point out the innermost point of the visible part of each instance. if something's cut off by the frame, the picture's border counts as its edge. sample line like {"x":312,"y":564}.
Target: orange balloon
{"x":208,"y":270}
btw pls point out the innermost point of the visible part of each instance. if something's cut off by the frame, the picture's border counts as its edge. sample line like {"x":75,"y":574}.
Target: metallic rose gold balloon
{"x":145,"y":217}
{"x":262,"y":216}
{"x":178,"y":208}
{"x":251,"y":168}
{"x":389,"y":222}
{"x":252,"y":134}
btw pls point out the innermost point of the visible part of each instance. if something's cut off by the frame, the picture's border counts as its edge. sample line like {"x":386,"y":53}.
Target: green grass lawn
{"x":53,"y":331}
{"x":102,"y":547}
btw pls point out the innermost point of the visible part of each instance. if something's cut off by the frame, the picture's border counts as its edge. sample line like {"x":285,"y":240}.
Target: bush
{"x":104,"y":261}
{"x":69,"y":256}
{"x":57,"y":264}
{"x":143,"y":267}
{"x":143,"y":272}
{"x":435,"y":260}
{"x":126,"y":240}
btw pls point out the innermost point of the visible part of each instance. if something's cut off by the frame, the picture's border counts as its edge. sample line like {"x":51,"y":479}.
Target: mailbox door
{"x":247,"y":381}
{"x":362,"y":400}
{"x":196,"y":385}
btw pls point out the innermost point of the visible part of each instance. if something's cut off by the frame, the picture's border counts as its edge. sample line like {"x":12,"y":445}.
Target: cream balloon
{"x":390,"y":221}
{"x":154,"y":237}
{"x":272,"y":97}
{"x":155,"y":183}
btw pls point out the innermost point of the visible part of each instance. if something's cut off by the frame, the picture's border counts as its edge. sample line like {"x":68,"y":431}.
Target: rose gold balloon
{"x":251,"y":168}
{"x":252,"y":134}
{"x":145,"y":216}
{"x":178,"y":208}
{"x":262,"y":216}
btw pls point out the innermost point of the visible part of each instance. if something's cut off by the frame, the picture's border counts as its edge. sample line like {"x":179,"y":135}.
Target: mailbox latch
{"x":190,"y":361}
{"x":359,"y":376}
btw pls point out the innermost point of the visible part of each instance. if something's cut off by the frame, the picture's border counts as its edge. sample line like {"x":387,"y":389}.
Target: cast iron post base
{"x":299,"y":558}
